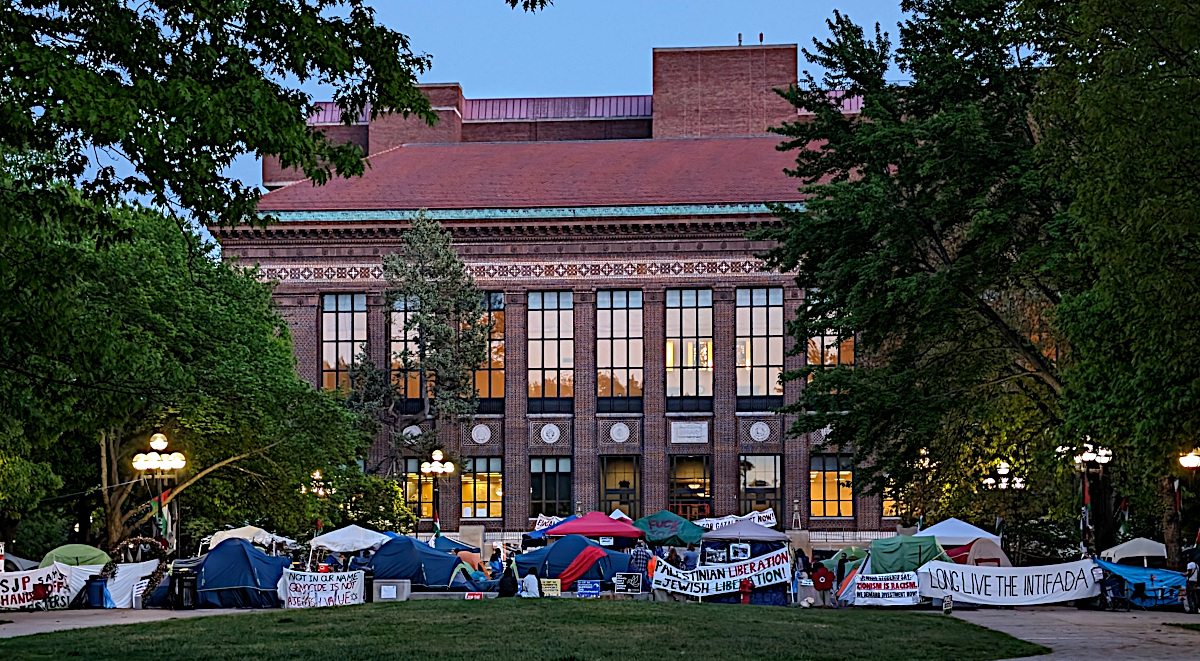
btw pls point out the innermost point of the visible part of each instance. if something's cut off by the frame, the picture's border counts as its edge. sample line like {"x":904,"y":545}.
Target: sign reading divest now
{"x":299,"y":589}
{"x":774,"y":567}
{"x":898,"y":589}
{"x":1009,"y":586}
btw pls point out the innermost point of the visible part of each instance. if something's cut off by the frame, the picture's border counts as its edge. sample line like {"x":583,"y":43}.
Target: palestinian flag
{"x":437,"y":525}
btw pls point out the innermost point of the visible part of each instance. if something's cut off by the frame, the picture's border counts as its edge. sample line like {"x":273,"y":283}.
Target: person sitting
{"x":530,"y":588}
{"x":508,"y":582}
{"x":496,"y":564}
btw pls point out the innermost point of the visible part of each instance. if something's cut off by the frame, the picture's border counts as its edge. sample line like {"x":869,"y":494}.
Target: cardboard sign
{"x":48,"y":588}
{"x":387,"y":592}
{"x":1009,"y":586}
{"x":587,"y":589}
{"x":474,"y":595}
{"x":628,"y":583}
{"x":606,"y":541}
{"x":900,"y":589}
{"x":551,"y":587}
{"x":708,"y":580}
{"x":299,"y":589}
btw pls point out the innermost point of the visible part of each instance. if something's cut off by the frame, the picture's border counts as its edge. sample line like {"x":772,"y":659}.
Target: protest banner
{"x":551,"y":587}
{"x":1009,"y":586}
{"x":544,"y":521}
{"x":627,"y":583}
{"x":764,"y":518}
{"x":299,"y":589}
{"x":48,"y":588}
{"x":898,"y":589}
{"x":707,"y":580}
{"x":587,"y":589}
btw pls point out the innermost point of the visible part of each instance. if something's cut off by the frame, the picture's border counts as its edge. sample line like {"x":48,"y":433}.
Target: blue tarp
{"x":443,"y":543}
{"x":551,"y":560}
{"x":1153,"y":578}
{"x":541,"y":534}
{"x":407,"y":558}
{"x":237,"y":575}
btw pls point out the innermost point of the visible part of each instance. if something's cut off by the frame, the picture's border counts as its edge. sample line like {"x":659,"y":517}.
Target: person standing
{"x":674,"y":560}
{"x":690,"y":558}
{"x":841,"y":572}
{"x":1193,"y":585}
{"x":530,"y":588}
{"x":639,"y":561}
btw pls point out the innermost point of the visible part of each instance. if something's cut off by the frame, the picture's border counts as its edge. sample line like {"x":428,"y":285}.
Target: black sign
{"x":627,"y":583}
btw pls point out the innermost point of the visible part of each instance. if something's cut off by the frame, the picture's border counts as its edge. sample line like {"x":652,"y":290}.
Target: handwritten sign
{"x":606,"y":541}
{"x":320,"y":590}
{"x":774,"y":567}
{"x":628,"y":583}
{"x":551,"y":587}
{"x":898,"y":589}
{"x":587,"y":589}
{"x":1009,"y":586}
{"x":763,"y":518}
{"x":48,"y":588}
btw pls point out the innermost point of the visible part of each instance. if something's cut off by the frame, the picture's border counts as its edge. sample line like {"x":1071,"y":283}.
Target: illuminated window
{"x":620,"y":485}
{"x":402,"y":343}
{"x":890,"y":507}
{"x":489,"y":378}
{"x":418,"y":489}
{"x":550,"y":486}
{"x":831,"y":485}
{"x":343,"y":337}
{"x":760,"y":486}
{"x":482,"y":488}
{"x":551,"y":352}
{"x":759,"y":348}
{"x":619,"y":351}
{"x":689,"y":350}
{"x":828,"y":351}
{"x":689,"y":486}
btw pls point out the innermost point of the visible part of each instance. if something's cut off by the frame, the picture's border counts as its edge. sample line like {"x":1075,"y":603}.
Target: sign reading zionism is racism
{"x":1009,"y":586}
{"x":299,"y":589}
{"x":899,"y":589}
{"x":708,"y":580}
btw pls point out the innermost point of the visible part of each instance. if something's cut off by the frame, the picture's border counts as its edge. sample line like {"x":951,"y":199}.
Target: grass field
{"x":1189,"y":626}
{"x":525,"y":630}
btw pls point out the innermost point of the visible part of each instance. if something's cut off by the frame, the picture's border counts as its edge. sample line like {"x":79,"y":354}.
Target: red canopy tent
{"x":596,"y":524}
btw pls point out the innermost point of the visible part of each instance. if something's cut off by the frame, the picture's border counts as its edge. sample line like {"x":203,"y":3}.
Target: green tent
{"x":75,"y":555}
{"x":904,"y":553}
{"x":854,"y":558}
{"x":668,"y":529}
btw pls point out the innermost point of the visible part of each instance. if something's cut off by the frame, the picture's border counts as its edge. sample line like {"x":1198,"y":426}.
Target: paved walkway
{"x":27,"y":623}
{"x":1077,"y":635}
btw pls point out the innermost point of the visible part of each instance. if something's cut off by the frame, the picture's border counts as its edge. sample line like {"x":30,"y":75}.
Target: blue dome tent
{"x":550,"y":561}
{"x":443,"y":543}
{"x":407,"y":558}
{"x":237,"y":575}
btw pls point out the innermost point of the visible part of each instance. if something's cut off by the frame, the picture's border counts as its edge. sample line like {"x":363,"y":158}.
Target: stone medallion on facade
{"x":759,"y":430}
{"x":485,"y":432}
{"x":550,"y":433}
{"x":622,"y":433}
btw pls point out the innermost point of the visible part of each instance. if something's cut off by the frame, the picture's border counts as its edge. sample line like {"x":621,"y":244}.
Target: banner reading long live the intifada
{"x":312,"y":590}
{"x":1009,"y":586}
{"x":48,"y":588}
{"x":899,"y":589}
{"x":708,"y":580}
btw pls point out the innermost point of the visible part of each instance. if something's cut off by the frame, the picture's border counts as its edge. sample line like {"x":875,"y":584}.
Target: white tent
{"x":250,"y":534}
{"x":619,"y":515}
{"x":349,"y":539}
{"x":953,"y":532}
{"x":744,"y":531}
{"x":1135,"y":548}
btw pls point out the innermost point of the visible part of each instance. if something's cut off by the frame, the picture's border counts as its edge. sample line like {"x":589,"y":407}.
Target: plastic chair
{"x":1115,"y":593}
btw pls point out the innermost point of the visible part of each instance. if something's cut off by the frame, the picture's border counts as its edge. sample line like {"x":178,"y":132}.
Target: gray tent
{"x":744,"y":531}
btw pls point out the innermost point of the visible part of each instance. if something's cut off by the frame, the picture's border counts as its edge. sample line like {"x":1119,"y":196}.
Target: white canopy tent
{"x":744,"y":531}
{"x":251,"y":534}
{"x":952,"y":532}
{"x":619,"y":515}
{"x":1135,"y":548}
{"x":349,"y":539}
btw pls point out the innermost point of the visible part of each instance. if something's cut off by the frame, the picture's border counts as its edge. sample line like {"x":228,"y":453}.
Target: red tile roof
{"x":556,"y":174}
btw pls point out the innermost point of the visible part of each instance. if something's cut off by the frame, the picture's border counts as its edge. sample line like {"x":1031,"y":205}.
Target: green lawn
{"x":1190,"y":626}
{"x":524,"y":630}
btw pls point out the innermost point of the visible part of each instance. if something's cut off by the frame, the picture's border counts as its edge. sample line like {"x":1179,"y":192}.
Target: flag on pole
{"x":437,"y":525}
{"x":161,"y":515}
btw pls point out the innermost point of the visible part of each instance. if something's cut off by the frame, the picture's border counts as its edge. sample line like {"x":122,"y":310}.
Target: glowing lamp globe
{"x":158,"y":442}
{"x":1190,"y":460}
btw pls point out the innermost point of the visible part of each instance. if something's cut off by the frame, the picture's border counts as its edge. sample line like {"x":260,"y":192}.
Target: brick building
{"x":638,"y":340}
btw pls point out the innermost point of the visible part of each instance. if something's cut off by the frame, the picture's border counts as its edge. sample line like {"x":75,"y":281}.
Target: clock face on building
{"x":619,"y":432}
{"x":760,"y":431}
{"x":550,"y":433}
{"x":481,"y":433}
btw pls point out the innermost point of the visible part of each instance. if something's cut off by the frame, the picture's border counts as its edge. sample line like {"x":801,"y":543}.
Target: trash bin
{"x":368,"y":585}
{"x":183,"y":590}
{"x":95,"y":591}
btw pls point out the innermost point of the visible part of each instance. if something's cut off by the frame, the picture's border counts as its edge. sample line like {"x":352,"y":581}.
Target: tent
{"x":1136,"y":548}
{"x":237,"y":575}
{"x":981,"y":552}
{"x":571,"y":558}
{"x":666,"y":528}
{"x":416,"y":561}
{"x":952,"y":532}
{"x":854,"y":557}
{"x":620,"y":516}
{"x":745,"y":531}
{"x":443,"y":543}
{"x":904,"y":553}
{"x":349,"y":539}
{"x":13,"y":563}
{"x":75,"y":555}
{"x":1150,"y":580}
{"x":595,"y":524}
{"x":251,"y":534}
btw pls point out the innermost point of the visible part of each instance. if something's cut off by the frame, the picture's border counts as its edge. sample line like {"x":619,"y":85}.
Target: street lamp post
{"x":437,"y":468}
{"x":1091,"y":459}
{"x":161,"y":465}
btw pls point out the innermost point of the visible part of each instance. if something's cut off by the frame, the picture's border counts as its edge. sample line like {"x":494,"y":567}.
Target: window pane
{"x":604,"y":324}
{"x":566,"y":323}
{"x":603,"y":299}
{"x":535,"y":300}
{"x":635,"y":353}
{"x":672,"y":298}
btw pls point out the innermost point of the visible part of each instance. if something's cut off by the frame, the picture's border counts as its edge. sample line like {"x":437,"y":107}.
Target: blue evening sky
{"x":589,"y":47}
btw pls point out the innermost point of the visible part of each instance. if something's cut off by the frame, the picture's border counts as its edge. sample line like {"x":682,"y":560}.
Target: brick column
{"x":516,"y":430}
{"x":654,"y":402}
{"x":586,"y":467}
{"x":724,"y":459}
{"x":795,"y":448}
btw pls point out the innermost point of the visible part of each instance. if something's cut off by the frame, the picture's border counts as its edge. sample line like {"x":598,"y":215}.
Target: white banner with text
{"x":1009,"y":586}
{"x":48,"y":588}
{"x":899,"y":589}
{"x":708,"y":580}
{"x":299,"y":589}
{"x":763,"y":518}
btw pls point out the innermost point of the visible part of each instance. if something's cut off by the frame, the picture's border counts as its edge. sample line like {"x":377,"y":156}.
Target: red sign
{"x":474,"y":595}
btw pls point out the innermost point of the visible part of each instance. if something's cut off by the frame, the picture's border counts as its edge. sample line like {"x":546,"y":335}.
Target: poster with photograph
{"x":739,"y":552}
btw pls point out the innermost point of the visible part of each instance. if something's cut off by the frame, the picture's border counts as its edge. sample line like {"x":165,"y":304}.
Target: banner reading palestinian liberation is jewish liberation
{"x":48,"y":588}
{"x":708,"y":580}
{"x":313,"y":590}
{"x":899,"y":589}
{"x":1009,"y":586}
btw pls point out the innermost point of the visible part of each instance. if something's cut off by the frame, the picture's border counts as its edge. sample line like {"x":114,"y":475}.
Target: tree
{"x":439,"y":312}
{"x":1121,"y":135}
{"x":929,"y":237}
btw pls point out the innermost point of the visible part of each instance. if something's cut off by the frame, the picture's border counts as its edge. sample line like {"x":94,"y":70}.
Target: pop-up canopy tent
{"x":237,"y":575}
{"x":572,"y":558}
{"x":407,"y":558}
{"x":1143,"y":582}
{"x":443,"y":543}
{"x":981,"y":552}
{"x":952,"y":532}
{"x":251,"y":534}
{"x":762,"y":540}
{"x":902,"y":553}
{"x":595,"y":524}
{"x":620,"y":516}
{"x":349,"y":539}
{"x":745,"y":531}
{"x":666,"y":528}
{"x":1135,"y":551}
{"x":75,"y":555}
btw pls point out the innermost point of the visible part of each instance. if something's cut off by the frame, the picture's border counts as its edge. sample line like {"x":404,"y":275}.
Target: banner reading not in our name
{"x":899,"y":589}
{"x":708,"y":580}
{"x":314,"y":590}
{"x":1009,"y":586}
